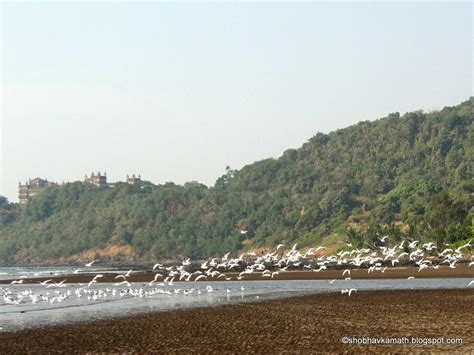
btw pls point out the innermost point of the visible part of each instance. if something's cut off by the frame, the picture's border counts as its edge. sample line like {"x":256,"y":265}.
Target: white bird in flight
{"x":16,"y":282}
{"x":200,"y":277}
{"x":156,"y":265}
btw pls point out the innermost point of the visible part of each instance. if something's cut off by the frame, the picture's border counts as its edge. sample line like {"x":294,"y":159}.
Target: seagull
{"x":59,"y":284}
{"x":93,"y":281}
{"x":156,"y":265}
{"x":200,"y":277}
{"x":186,"y":262}
{"x":352,"y":290}
{"x":17,"y":282}
{"x":322,"y":267}
{"x":468,"y":244}
{"x":154,"y":280}
{"x":90,"y":264}
{"x":422,"y":266}
{"x":268,"y":265}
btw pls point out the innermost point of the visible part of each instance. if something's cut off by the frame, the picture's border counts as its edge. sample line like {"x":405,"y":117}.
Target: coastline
{"x":302,"y":324}
{"x":461,"y":271}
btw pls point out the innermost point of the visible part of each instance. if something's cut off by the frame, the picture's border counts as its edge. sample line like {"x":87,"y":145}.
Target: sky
{"x":178,"y":91}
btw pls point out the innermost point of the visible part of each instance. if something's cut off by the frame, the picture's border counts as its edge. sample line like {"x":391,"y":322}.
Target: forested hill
{"x":405,"y":176}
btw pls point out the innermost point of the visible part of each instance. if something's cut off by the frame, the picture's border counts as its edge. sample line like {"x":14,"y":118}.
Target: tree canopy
{"x":406,"y":176}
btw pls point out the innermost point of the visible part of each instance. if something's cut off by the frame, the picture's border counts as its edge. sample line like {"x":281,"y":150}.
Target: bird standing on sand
{"x":348,"y":291}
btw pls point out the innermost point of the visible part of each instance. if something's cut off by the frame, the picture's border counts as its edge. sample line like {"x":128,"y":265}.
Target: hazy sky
{"x":178,"y":91}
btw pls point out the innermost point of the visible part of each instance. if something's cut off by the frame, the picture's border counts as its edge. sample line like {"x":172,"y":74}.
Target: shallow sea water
{"x":73,"y":309}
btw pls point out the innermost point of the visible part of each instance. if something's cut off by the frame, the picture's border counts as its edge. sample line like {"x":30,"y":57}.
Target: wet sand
{"x":298,"y":325}
{"x":462,"y":271}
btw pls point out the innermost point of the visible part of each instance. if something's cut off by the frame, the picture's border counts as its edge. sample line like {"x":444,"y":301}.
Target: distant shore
{"x":461,"y":271}
{"x":305,"y":324}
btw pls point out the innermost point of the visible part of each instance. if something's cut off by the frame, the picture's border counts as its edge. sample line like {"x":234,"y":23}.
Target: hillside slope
{"x":408,"y":176}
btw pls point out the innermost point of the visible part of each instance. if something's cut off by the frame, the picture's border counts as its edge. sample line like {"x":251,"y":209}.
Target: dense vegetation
{"x":408,"y":176}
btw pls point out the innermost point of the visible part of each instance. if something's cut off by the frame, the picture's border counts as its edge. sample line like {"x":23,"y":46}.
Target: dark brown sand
{"x":461,"y":270}
{"x":297,"y":325}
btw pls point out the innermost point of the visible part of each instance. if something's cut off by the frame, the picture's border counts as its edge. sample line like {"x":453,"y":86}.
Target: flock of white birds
{"x":267,"y":266}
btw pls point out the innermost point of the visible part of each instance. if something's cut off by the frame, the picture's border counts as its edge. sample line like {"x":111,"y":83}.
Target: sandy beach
{"x":306,"y":324}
